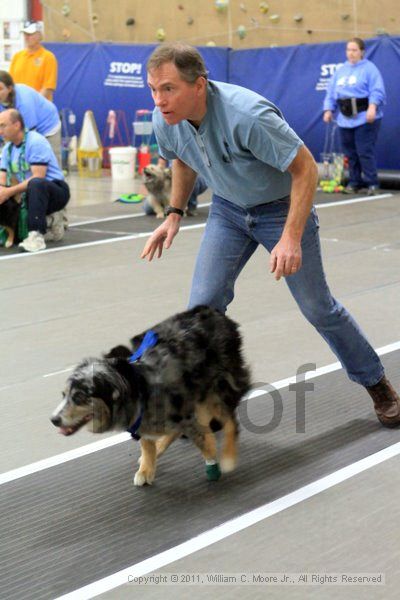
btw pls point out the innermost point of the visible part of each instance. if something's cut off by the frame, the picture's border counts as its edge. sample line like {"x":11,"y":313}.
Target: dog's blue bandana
{"x":149,"y":341}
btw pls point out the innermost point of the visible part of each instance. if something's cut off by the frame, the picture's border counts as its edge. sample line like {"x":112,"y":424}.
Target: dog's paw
{"x":143,"y":477}
{"x":213,"y":472}
{"x":227,"y":464}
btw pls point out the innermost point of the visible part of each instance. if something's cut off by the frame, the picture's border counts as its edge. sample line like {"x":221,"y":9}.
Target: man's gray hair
{"x":186,"y":59}
{"x":15,"y":117}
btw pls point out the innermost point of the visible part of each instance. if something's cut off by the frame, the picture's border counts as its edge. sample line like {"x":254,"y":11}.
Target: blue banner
{"x":104,"y":77}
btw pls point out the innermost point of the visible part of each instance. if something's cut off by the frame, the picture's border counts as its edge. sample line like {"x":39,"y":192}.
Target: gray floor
{"x":83,"y":298}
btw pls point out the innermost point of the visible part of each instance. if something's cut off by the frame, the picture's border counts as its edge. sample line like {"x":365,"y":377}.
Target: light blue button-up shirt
{"x":242,"y":148}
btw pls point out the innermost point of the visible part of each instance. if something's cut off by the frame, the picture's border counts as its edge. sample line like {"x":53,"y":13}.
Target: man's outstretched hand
{"x":161,"y":238}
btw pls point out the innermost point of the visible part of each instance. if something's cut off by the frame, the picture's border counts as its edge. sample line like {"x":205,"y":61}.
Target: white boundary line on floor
{"x":114,"y":440}
{"x":122,"y":238}
{"x":105,"y":219}
{"x":66,"y":370}
{"x":229,"y":528}
{"x":354,"y":200}
{"x":135,"y":236}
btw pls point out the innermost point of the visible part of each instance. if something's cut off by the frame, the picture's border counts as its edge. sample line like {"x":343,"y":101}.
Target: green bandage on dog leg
{"x":213,"y":471}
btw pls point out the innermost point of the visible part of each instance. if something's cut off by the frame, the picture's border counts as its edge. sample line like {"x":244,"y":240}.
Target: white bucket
{"x":123,"y":161}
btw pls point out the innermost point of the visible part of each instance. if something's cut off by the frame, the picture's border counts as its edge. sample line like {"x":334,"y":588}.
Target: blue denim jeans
{"x":232,"y":235}
{"x":358,"y":143}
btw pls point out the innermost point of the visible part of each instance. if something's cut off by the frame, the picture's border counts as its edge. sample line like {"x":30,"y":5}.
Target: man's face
{"x":32,"y":40}
{"x":8,"y":130}
{"x":177,"y":99}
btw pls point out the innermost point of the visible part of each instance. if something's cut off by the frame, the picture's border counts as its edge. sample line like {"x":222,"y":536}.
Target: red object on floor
{"x":144,"y":159}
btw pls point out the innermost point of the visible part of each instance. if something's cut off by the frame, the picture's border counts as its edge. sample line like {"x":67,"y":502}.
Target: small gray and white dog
{"x":189,"y":382}
{"x":158,"y":183}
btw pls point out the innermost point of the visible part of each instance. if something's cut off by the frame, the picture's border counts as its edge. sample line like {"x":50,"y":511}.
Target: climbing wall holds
{"x":221,"y":5}
{"x":66,"y":10}
{"x":160,"y":34}
{"x":241,"y":31}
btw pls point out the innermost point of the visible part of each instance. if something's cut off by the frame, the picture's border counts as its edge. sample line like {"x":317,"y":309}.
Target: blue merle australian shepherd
{"x":185,"y":376}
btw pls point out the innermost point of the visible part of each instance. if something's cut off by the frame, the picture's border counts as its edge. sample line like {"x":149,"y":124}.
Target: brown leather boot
{"x":386,"y":402}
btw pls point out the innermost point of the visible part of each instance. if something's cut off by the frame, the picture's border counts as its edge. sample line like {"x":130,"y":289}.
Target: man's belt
{"x":350,"y":107}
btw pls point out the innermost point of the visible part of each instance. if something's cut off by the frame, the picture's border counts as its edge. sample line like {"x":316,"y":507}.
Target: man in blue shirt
{"x":264,"y":180}
{"x":28,"y":165}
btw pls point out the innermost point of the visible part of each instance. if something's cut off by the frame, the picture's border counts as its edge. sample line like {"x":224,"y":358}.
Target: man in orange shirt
{"x":35,"y":66}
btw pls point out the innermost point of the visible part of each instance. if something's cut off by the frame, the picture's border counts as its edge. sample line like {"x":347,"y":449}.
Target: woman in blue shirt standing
{"x":39,"y":114}
{"x":357,"y":91}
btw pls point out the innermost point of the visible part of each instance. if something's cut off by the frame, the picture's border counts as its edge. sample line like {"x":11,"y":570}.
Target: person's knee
{"x":209,"y":296}
{"x":321,"y":315}
{"x":366,"y":154}
{"x":148,"y":210}
{"x":199,"y":187}
{"x":216,"y":303}
{"x":66,"y":195}
{"x":37,"y":183}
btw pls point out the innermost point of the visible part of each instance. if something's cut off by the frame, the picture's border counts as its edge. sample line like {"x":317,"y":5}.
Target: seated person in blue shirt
{"x":28,"y":165}
{"x":38,"y":113}
{"x":263,"y":180}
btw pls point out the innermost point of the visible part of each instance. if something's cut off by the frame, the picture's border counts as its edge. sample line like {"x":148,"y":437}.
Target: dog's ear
{"x":118,"y":352}
{"x":137,"y":340}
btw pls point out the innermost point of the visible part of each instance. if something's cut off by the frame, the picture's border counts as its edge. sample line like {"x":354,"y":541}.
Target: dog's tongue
{"x":66,"y":430}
